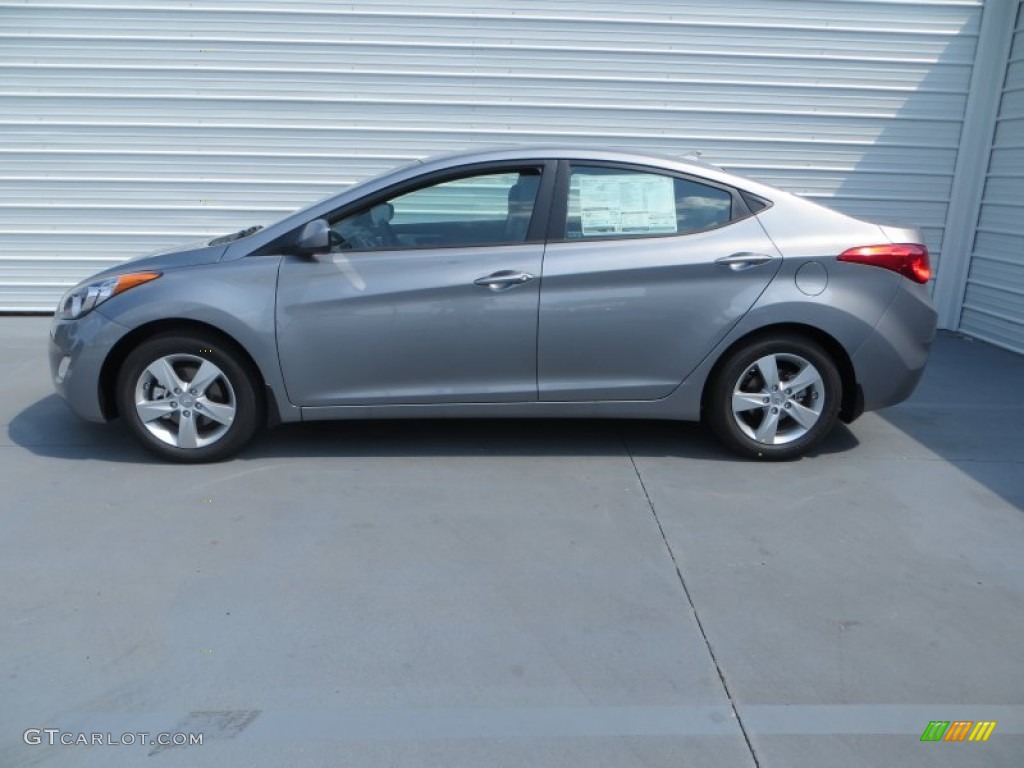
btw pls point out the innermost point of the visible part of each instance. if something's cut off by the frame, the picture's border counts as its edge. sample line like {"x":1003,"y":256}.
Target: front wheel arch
{"x":131,"y":340}
{"x":189,"y":397}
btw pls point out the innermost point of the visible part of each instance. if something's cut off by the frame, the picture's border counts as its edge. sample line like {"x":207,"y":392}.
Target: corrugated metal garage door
{"x":993,"y":307}
{"x":130,"y":125}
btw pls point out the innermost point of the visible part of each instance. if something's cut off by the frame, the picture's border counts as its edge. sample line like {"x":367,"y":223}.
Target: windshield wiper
{"x":235,"y":235}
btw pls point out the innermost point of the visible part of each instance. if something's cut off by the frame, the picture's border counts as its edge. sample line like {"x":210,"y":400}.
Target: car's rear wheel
{"x":189,"y":397}
{"x":775,"y":398}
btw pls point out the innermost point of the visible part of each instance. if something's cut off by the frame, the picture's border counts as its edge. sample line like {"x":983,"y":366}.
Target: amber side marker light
{"x":124,"y":282}
{"x":908,"y":259}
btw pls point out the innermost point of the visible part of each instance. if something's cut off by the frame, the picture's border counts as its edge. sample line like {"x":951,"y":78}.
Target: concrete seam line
{"x":689,"y":599}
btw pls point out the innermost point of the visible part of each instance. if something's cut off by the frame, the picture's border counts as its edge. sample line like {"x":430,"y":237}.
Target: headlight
{"x":83,"y":298}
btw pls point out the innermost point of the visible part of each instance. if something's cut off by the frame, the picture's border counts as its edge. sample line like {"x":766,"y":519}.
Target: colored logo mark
{"x":958,"y":730}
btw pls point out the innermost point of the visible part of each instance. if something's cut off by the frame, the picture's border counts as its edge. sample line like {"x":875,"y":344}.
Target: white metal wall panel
{"x":993,"y":307}
{"x":128,"y":125}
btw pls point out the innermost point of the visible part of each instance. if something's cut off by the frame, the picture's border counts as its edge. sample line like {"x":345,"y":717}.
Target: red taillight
{"x":909,"y":259}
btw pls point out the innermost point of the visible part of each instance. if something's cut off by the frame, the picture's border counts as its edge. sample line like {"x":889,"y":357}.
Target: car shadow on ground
{"x":967,"y":411}
{"x":47,"y":428}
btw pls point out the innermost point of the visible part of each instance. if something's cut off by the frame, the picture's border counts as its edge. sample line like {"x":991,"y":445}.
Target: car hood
{"x":189,"y":255}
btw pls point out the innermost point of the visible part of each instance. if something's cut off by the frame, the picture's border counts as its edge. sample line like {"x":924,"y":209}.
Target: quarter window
{"x":617,"y":202}
{"x":485,"y":209}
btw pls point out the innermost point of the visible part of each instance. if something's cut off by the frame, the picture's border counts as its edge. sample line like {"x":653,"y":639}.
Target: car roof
{"x":554,"y":152}
{"x":558,"y":151}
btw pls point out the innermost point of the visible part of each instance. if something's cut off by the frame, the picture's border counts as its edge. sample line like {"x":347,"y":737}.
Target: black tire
{"x":209,"y":426}
{"x":793,"y":432}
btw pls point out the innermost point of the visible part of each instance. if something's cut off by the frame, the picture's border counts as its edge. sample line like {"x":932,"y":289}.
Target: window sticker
{"x":626,"y":204}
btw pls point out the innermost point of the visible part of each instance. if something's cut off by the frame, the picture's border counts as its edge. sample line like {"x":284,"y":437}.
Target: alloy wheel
{"x":185,"y":401}
{"x":778,"y":399}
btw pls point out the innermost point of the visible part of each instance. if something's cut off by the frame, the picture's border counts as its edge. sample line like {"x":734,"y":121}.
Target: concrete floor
{"x":531,"y":593}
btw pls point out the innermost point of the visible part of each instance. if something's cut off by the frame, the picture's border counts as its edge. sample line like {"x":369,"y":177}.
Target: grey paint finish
{"x":236,"y":297}
{"x":894,"y":346}
{"x":630,"y":319}
{"x":627,"y":327}
{"x":87,"y":346}
{"x":408,"y":327}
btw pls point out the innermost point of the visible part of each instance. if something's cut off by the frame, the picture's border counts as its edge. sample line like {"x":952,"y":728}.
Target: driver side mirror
{"x":315,"y":238}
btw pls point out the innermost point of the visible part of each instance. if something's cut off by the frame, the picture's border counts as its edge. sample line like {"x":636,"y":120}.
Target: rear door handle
{"x":506,"y":278}
{"x":744,"y":260}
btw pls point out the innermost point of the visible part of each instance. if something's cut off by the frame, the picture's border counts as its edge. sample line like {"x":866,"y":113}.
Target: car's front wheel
{"x":774,"y":398}
{"x":189,"y":397}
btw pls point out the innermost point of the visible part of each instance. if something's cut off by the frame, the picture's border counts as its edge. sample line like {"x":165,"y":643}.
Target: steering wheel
{"x":338,"y":243}
{"x":363,"y":233}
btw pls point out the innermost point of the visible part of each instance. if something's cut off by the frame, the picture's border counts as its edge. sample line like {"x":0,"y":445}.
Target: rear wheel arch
{"x":852,"y":402}
{"x":123,"y":348}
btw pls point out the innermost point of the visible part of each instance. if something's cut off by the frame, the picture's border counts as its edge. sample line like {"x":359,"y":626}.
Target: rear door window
{"x":619,"y":202}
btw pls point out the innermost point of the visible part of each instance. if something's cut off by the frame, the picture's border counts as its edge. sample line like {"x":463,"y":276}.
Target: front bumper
{"x":78,"y":349}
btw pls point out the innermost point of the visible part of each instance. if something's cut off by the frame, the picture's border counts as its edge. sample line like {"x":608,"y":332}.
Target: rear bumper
{"x":77,"y":351}
{"x":890,"y":362}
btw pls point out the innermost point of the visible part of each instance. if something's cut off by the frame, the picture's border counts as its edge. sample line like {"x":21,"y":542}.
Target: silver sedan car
{"x":524,"y":282}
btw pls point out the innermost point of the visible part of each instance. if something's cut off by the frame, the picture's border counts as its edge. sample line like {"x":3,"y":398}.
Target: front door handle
{"x":506,"y":278}
{"x":743,"y":260}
